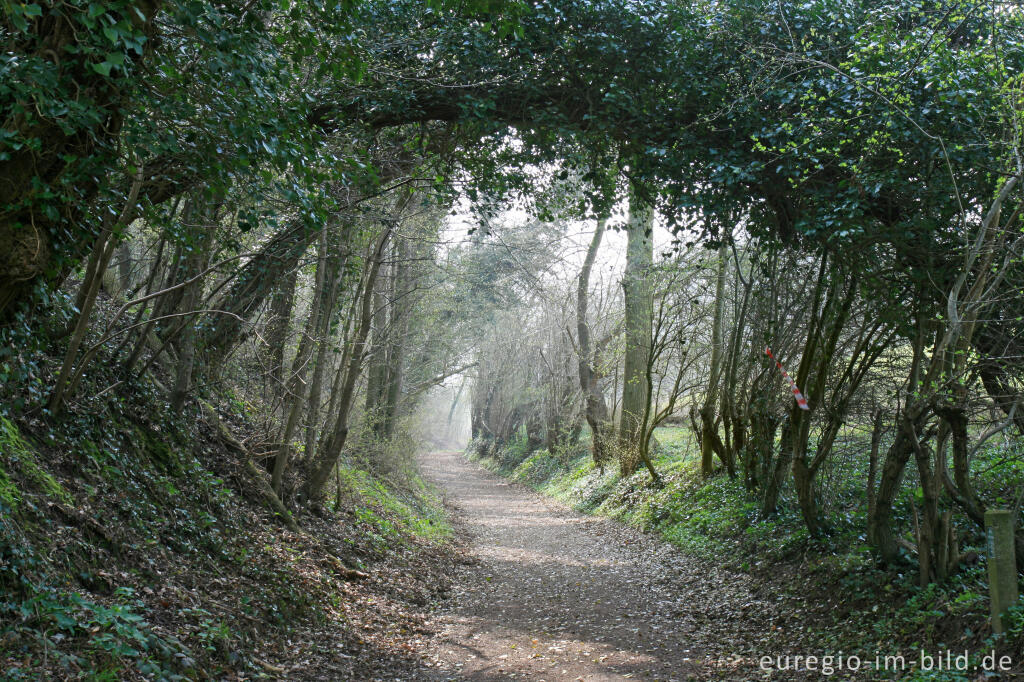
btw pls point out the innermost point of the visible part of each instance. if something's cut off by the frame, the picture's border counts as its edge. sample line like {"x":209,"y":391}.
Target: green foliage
{"x":160,"y":450}
{"x":21,"y":347}
{"x":392,"y":514}
{"x":213,"y":634}
{"x":999,"y":475}
{"x":9,"y":492}
{"x":108,"y":638}
{"x":538,"y":468}
{"x":16,"y":455}
{"x":504,"y":460}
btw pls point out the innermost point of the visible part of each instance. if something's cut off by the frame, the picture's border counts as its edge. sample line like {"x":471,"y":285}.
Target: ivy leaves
{"x":19,"y":14}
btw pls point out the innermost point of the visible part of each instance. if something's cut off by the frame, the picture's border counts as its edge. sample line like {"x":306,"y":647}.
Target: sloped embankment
{"x":135,"y":546}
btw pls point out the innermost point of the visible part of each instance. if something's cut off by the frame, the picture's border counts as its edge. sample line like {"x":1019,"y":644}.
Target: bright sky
{"x":611,"y":258}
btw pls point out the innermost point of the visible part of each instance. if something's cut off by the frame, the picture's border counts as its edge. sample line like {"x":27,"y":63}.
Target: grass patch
{"x":393,"y":512}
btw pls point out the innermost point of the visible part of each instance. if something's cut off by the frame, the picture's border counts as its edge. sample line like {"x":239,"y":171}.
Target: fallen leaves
{"x":612,"y":602}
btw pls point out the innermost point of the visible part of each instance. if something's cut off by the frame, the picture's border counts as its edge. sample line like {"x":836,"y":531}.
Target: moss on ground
{"x":18,"y":458}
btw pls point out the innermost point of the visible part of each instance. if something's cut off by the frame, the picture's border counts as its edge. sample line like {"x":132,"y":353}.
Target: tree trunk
{"x":99,"y":259}
{"x":377,"y":358}
{"x":709,"y":425}
{"x":639,"y":313}
{"x":324,"y":344}
{"x":880,"y":532}
{"x":876,"y":440}
{"x":250,"y":288}
{"x":195,"y":263}
{"x":803,"y":483}
{"x":595,"y":410}
{"x":281,"y":304}
{"x":819,"y":353}
{"x":773,"y":483}
{"x":319,"y":469}
{"x":451,"y":410}
{"x":256,"y":279}
{"x":399,"y":328}
{"x":297,"y":391}
{"x":763,"y":426}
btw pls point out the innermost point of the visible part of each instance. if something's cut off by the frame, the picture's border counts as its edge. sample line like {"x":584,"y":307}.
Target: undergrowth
{"x":393,"y":514}
{"x":133,"y":546}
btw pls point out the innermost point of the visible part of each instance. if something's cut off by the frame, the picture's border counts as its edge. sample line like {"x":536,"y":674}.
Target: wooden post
{"x":1002,"y":564}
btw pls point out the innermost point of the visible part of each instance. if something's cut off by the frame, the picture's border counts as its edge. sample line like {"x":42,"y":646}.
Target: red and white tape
{"x":800,"y":400}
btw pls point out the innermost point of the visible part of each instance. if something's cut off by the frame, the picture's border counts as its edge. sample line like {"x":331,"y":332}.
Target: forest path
{"x":556,"y":595}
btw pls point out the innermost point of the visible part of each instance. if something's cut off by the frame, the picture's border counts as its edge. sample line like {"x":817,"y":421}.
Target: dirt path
{"x":556,"y":595}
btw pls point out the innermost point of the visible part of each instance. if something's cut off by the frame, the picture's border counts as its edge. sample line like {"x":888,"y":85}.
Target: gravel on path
{"x":555,"y":595}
